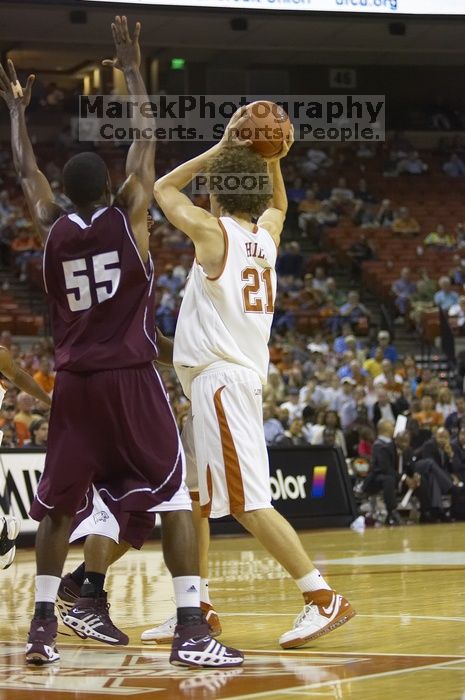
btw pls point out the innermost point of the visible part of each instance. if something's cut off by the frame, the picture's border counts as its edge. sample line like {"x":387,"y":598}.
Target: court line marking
{"x":455,"y":657}
{"x":265,"y":652}
{"x":438,"y":618}
{"x":339,"y":682}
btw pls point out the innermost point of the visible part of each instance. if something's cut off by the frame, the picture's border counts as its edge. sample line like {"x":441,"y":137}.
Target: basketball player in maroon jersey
{"x":110,"y":423}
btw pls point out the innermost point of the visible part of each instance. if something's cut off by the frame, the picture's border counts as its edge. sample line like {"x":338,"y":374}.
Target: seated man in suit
{"x":454,"y":419}
{"x":458,"y":458}
{"x":383,"y":475}
{"x":439,"y":449}
{"x":426,"y":478}
{"x":384,"y":409}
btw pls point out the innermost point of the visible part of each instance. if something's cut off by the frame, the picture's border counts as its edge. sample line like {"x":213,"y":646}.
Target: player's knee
{"x":251,"y":518}
{"x":56,"y":519}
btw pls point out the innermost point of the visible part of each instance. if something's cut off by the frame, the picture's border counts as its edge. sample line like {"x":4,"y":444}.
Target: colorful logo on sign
{"x":319,"y":482}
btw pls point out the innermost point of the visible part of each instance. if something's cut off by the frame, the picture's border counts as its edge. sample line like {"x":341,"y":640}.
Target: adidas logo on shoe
{"x":192,"y":589}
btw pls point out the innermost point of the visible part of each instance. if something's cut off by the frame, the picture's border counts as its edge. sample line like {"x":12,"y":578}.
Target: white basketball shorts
{"x":230,"y":448}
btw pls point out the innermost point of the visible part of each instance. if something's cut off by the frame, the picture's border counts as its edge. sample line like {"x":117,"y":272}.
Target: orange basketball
{"x":267,"y":127}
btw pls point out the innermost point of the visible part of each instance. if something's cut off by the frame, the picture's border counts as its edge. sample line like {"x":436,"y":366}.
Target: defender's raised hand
{"x":127,"y":49}
{"x":10,"y":88}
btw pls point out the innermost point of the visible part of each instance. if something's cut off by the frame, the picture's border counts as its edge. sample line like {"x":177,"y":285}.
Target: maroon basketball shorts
{"x":97,"y":515}
{"x":113,"y":429}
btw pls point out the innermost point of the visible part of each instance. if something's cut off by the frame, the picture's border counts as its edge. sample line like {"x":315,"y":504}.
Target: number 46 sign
{"x":342,"y":78}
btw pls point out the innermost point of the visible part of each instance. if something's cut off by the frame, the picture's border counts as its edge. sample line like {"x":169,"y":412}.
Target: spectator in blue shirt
{"x":384,"y":342}
{"x":404,"y":288}
{"x":340,"y":343}
{"x":352,"y":312}
{"x":272,"y":426}
{"x":446,"y":297}
{"x":454,"y":167}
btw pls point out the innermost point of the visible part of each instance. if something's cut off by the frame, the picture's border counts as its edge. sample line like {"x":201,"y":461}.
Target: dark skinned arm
{"x":137,"y":191}
{"x":165,"y":349}
{"x":36,"y":188}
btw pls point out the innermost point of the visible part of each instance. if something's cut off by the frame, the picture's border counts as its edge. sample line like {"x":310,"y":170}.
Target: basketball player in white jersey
{"x":9,"y":524}
{"x":221,"y":357}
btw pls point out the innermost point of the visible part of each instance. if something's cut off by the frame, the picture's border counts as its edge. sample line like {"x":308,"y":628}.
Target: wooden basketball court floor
{"x":407,"y":640}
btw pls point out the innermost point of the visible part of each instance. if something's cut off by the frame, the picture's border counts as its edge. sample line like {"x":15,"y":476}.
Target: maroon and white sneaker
{"x":40,"y":647}
{"x":68,"y":593}
{"x":89,"y":618}
{"x":193,"y":646}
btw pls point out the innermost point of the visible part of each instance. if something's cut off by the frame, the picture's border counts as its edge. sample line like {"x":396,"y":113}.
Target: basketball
{"x":267,"y":127}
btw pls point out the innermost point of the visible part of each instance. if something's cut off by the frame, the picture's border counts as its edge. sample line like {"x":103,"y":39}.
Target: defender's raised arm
{"x":36,"y":188}
{"x":136,"y":192}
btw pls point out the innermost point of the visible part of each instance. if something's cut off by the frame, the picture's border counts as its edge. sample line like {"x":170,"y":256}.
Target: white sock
{"x":47,"y":588}
{"x":187,"y":591}
{"x":204,"y":593}
{"x":313,"y":581}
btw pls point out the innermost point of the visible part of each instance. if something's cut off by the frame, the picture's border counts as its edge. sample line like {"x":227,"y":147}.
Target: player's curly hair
{"x":239,"y":160}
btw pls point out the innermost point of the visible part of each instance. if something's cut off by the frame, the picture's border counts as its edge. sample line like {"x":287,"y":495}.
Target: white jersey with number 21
{"x":228,"y":318}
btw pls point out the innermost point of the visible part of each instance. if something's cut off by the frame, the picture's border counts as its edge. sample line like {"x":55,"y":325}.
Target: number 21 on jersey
{"x":104,"y":282}
{"x":257,"y":294}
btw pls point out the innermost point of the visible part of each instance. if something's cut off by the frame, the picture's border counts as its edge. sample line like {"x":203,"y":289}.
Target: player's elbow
{"x":156,"y":190}
{"x":159,"y":190}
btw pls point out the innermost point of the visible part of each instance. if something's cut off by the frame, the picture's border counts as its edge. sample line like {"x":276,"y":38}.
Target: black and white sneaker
{"x":40,"y":647}
{"x":89,"y":618}
{"x":193,"y":646}
{"x":9,"y":531}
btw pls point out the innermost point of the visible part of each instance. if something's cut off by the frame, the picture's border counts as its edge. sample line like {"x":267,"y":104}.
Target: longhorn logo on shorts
{"x":101,"y":517}
{"x":319,"y":482}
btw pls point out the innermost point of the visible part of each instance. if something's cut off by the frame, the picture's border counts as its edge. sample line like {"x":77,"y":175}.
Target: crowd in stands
{"x":334,"y":378}
{"x":342,"y":391}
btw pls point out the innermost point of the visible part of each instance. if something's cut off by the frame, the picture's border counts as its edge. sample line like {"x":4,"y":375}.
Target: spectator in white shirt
{"x":316,"y":160}
{"x":325,"y":393}
{"x":342,"y":193}
{"x":389,"y":377}
{"x":331,"y":420}
{"x":292,"y":404}
{"x":344,"y":394}
{"x":320,"y":280}
{"x":308,"y":418}
{"x":458,"y":311}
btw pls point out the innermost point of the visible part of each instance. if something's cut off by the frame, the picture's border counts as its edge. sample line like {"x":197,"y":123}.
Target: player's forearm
{"x":181,"y":176}
{"x":165,"y":349}
{"x":141,"y":155}
{"x":279,"y":190}
{"x":23,"y":154}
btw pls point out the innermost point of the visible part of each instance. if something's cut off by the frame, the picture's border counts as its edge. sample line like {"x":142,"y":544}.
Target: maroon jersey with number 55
{"x":101,"y":294}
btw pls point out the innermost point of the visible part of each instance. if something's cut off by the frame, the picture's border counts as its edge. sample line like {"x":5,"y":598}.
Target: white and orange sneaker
{"x":164,"y":633}
{"x":323,"y":612}
{"x":211,"y":616}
